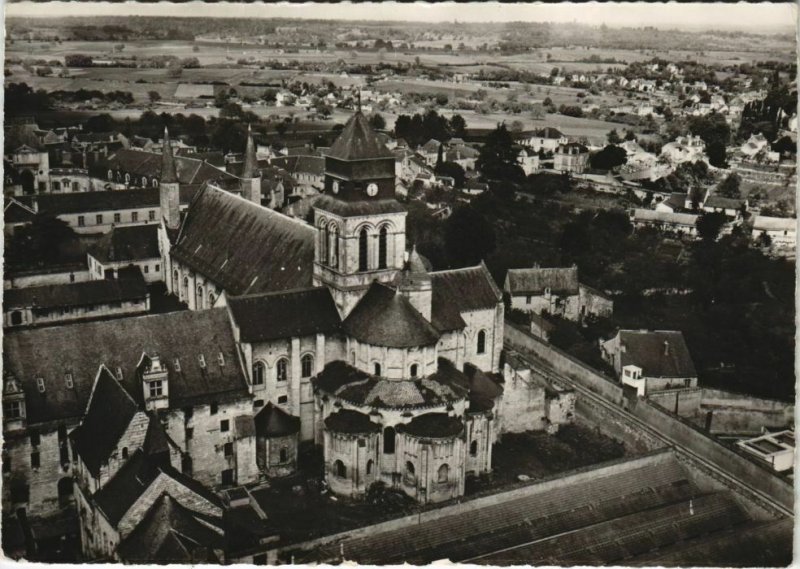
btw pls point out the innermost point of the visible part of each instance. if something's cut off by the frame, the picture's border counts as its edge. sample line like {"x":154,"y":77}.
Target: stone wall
{"x":522,"y":407}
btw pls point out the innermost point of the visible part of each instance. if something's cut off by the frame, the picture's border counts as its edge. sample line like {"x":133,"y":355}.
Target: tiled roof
{"x":301,"y":164}
{"x":144,"y":163}
{"x":129,"y":287}
{"x":764,"y":223}
{"x":358,"y":141}
{"x":272,"y":421}
{"x":127,"y":243}
{"x":534,"y":281}
{"x":723,"y":202}
{"x":384,"y":317}
{"x":172,"y":533}
{"x":16,"y":212}
{"x":81,"y":202}
{"x":433,"y":425}
{"x":461,"y":290}
{"x":289,"y":314}
{"x":110,"y":411}
{"x":664,"y":217}
{"x":350,"y":422}
{"x":243,"y":247}
{"x":659,"y":353}
{"x":79,"y":349}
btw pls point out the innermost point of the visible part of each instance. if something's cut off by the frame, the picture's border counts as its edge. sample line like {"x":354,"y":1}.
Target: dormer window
{"x":68,"y":380}
{"x":156,"y":388}
{"x":12,"y":409}
{"x":119,"y":373}
{"x":177,"y":364}
{"x":202,"y":360}
{"x":40,"y":384}
{"x":221,"y":359}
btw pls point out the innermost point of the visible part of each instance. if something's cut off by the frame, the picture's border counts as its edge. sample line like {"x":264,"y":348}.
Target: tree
{"x":175,"y":69}
{"x":517,"y":126}
{"x":613,"y":137}
{"x":468,"y":237}
{"x":609,"y":157}
{"x":710,"y":224}
{"x":458,"y":126}
{"x":729,"y":187}
{"x":439,"y":156}
{"x":42,"y":242}
{"x":377,"y":121}
{"x":154,"y":96}
{"x":716,"y":133}
{"x":452,"y":170}
{"x":100,"y":123}
{"x":498,"y":157}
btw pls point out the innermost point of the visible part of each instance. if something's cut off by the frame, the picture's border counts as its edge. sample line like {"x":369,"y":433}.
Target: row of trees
{"x":418,"y":129}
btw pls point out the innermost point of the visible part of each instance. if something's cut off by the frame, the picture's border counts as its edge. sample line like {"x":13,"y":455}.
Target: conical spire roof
{"x":250,"y":159}
{"x":414,"y":272}
{"x":168,"y":172}
{"x":358,"y":141}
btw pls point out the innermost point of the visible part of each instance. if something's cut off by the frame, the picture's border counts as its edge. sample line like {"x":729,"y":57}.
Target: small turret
{"x":251,"y":184}
{"x":415,"y":284}
{"x":169,"y":190}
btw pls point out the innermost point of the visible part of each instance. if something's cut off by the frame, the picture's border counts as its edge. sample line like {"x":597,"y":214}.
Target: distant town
{"x":313,"y":291}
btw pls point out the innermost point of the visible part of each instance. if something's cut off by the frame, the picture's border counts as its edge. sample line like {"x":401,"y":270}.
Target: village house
{"x":529,"y":160}
{"x":547,"y":138}
{"x":679,"y":223}
{"x":684,"y":149}
{"x":572,"y":157}
{"x":33,"y":169}
{"x":126,"y":246}
{"x":779,"y":234}
{"x":555,"y":291}
{"x":650,"y":361}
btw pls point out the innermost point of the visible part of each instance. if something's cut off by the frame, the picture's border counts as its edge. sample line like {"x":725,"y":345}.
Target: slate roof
{"x":110,"y":411}
{"x":16,"y":212}
{"x":85,"y":202}
{"x":446,"y":385}
{"x":79,"y":349}
{"x":128,"y":484}
{"x":433,"y":425}
{"x":243,"y":247}
{"x":301,"y":164}
{"x":647,"y":350}
{"x":127,"y":243}
{"x":461,"y":290}
{"x":189,"y":170}
{"x":272,"y":421}
{"x":534,"y":281}
{"x":483,"y":391}
{"x":172,"y":533}
{"x":384,"y":317}
{"x":289,"y":314}
{"x":350,"y":422}
{"x":88,"y":293}
{"x":358,"y":141}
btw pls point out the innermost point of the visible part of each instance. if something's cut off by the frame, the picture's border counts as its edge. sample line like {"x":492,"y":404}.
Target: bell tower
{"x":361,"y":227}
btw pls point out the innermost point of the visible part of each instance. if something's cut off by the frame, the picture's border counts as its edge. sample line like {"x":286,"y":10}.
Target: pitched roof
{"x":461,"y":290}
{"x":127,"y":243}
{"x":662,"y":353}
{"x":434,"y":425}
{"x":272,"y":421}
{"x":358,"y":141}
{"x":723,"y":202}
{"x":110,"y":411}
{"x":301,"y":164}
{"x":350,"y":422}
{"x":664,"y":216}
{"x":189,"y":170}
{"x":17,"y":212}
{"x":287,"y":314}
{"x":80,"y":202}
{"x":764,"y":223}
{"x":172,"y":533}
{"x":129,"y":287}
{"x":535,"y":281}
{"x":243,"y":247}
{"x":79,"y":349}
{"x":384,"y":317}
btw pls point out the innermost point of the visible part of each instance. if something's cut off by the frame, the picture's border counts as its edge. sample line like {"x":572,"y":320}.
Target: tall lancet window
{"x":323,"y":244}
{"x":363,"y":250}
{"x":382,"y":247}
{"x":334,"y":247}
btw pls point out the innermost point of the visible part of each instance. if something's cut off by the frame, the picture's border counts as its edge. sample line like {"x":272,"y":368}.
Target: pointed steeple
{"x":415,"y":283}
{"x":168,"y":173}
{"x":250,"y":159}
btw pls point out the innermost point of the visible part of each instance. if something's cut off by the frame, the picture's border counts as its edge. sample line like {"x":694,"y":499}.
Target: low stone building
{"x":572,"y":157}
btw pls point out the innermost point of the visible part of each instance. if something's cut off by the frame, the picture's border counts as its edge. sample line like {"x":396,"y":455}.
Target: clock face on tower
{"x":372,"y":189}
{"x":335,"y":187}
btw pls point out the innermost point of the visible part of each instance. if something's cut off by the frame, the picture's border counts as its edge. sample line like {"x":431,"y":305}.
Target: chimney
{"x":169,"y":191}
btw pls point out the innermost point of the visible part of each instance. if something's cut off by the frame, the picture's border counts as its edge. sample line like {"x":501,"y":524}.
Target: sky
{"x":759,"y":16}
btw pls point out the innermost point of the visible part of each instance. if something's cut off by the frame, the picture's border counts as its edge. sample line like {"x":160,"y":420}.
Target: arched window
{"x":473,"y":448}
{"x":340,"y":469}
{"x":175,"y":280}
{"x":353,"y":357}
{"x":282,"y":370}
{"x":124,"y":452}
{"x":444,"y":472}
{"x":377,"y":368}
{"x":199,"y":297}
{"x":307,"y":365}
{"x":414,"y":370}
{"x":410,"y":468}
{"x":323,"y":243}
{"x":110,"y":176}
{"x":186,"y":289}
{"x":363,"y":250}
{"x":127,"y":178}
{"x":284,"y":454}
{"x":334,"y":247}
{"x":481,"y":342}
{"x":382,"y":247}
{"x":16,"y":318}
{"x":144,"y":181}
{"x":211,"y":299}
{"x":369,"y":466}
{"x":155,"y":183}
{"x":259,"y":372}
{"x":388,"y":440}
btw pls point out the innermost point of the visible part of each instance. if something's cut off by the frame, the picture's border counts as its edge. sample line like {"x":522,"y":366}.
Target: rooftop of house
{"x":535,"y":281}
{"x":289,"y":314}
{"x":686,"y":219}
{"x":127,"y":243}
{"x":461,"y":290}
{"x":190,"y":170}
{"x":87,"y":202}
{"x":660,"y":353}
{"x":179,"y":338}
{"x":765,"y":223}
{"x":272,"y":421}
{"x":245,"y":248}
{"x":358,"y":141}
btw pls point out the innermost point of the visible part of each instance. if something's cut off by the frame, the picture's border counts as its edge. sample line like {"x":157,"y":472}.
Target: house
{"x":529,"y":160}
{"x":572,"y":157}
{"x":125,"y":246}
{"x":128,"y":168}
{"x":15,"y":215}
{"x":650,"y":361}
{"x":547,"y":138}
{"x":430,"y":151}
{"x":681,"y":223}
{"x":684,"y":149}
{"x":676,"y":202}
{"x":755,"y":144}
{"x":32,"y":166}
{"x":555,"y":291}
{"x":775,"y":449}
{"x":463,"y":155}
{"x":778,"y":233}
{"x":731,"y":207}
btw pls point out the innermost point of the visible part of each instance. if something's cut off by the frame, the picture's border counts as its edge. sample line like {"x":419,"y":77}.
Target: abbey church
{"x":334,"y":333}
